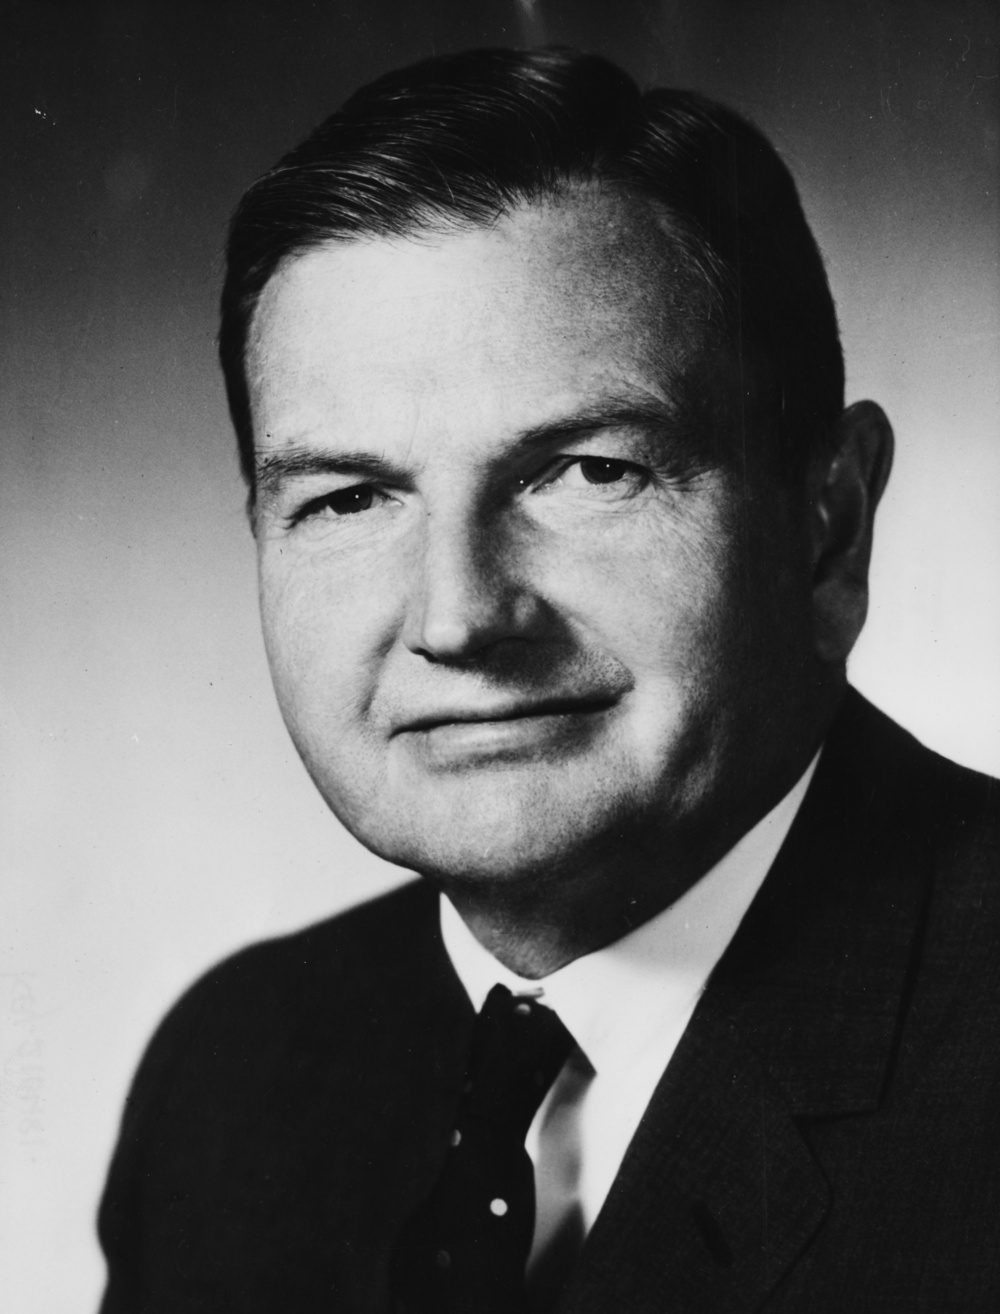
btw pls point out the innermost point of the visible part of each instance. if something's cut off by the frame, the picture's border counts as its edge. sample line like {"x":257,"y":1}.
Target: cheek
{"x":661,"y":601}
{"x":323,"y":634}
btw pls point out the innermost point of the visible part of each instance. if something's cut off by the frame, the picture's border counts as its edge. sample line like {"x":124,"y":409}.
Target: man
{"x":563,"y":536}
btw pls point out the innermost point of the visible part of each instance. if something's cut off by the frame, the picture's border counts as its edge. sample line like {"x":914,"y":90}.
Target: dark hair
{"x":461,"y":139}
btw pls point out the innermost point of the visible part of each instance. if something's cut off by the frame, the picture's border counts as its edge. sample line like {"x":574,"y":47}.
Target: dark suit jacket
{"x":826,"y":1138}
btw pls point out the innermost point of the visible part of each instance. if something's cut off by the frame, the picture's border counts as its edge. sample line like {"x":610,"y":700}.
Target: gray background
{"x":154,"y":815}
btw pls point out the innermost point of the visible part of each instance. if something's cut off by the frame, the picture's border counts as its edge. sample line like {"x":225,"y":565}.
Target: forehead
{"x":474,"y":330}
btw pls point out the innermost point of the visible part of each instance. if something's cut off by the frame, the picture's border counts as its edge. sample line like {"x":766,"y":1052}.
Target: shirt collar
{"x":619,"y":1000}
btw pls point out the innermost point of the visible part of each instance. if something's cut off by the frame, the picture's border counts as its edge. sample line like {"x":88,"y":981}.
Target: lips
{"x":507,"y":711}
{"x":500,"y":734}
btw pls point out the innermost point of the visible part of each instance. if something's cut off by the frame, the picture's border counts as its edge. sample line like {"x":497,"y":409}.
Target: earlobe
{"x":845,"y":490}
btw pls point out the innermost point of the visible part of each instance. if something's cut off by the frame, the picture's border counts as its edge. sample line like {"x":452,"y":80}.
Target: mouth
{"x":501,"y":714}
{"x":457,"y":739}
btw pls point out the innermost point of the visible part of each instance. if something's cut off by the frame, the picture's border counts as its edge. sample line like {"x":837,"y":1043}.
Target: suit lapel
{"x":720,"y":1194}
{"x":717,"y":1196}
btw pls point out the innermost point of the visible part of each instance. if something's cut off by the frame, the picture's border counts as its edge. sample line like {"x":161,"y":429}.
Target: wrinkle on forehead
{"x":621,"y":247}
{"x":585,"y":292}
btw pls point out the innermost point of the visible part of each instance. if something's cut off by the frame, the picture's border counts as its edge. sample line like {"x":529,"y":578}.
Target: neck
{"x":534,"y":931}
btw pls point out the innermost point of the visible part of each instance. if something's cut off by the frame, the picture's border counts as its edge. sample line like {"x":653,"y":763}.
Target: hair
{"x":460,"y":140}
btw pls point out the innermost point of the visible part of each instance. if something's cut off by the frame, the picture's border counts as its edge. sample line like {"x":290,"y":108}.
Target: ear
{"x":845,"y":489}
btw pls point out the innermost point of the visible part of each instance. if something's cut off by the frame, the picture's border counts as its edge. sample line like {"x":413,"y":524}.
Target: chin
{"x":484,"y":854}
{"x":494,"y":839}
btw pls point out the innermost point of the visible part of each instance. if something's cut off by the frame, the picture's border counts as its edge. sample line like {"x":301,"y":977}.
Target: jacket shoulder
{"x":255,"y":1010}
{"x":251,"y":1110}
{"x":913,"y":787}
{"x":366,"y":941}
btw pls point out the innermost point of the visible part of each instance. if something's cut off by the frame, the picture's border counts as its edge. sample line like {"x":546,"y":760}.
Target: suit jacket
{"x":826,"y":1137}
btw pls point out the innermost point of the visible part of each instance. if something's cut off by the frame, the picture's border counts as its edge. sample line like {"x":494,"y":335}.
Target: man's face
{"x":518,"y":610}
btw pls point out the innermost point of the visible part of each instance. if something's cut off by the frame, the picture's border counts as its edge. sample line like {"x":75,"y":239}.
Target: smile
{"x":452,"y":740}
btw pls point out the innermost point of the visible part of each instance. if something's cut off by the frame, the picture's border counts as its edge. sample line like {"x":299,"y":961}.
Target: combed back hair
{"x":460,"y":140}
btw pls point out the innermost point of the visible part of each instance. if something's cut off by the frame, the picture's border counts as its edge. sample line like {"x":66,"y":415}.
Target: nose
{"x":465,"y":595}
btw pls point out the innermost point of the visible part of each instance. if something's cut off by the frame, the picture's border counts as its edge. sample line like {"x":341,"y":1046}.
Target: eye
{"x":604,"y":477}
{"x":598,"y":470}
{"x":349,"y":501}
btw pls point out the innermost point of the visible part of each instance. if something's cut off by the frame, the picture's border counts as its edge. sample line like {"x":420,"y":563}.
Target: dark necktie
{"x":464,"y":1249}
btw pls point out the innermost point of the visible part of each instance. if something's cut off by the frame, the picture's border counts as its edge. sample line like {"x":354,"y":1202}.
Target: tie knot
{"x":518,"y":1047}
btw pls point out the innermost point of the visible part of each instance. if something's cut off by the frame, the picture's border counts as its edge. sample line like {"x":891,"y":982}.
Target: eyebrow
{"x":637,"y":412}
{"x":296,"y":462}
{"x":299,"y":462}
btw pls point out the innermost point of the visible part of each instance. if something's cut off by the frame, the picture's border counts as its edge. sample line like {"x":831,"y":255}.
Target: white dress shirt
{"x":627,"y":1006}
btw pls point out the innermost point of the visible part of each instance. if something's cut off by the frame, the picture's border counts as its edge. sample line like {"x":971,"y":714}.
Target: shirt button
{"x":498,"y":1207}
{"x":456,"y":1137}
{"x":442,"y":1259}
{"x":522,"y":1010}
